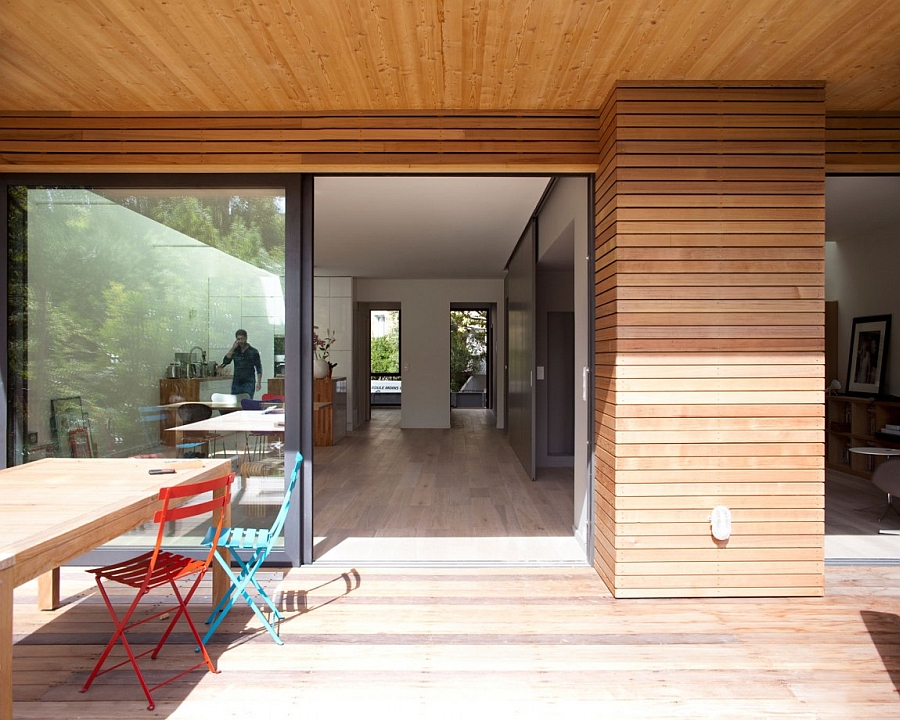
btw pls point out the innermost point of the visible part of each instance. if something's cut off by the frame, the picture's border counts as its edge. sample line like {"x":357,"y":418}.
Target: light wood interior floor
{"x":853,"y":507}
{"x":485,"y":643}
{"x":386,"y":494}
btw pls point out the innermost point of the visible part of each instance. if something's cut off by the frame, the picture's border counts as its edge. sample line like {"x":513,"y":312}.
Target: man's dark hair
{"x":240,"y":332}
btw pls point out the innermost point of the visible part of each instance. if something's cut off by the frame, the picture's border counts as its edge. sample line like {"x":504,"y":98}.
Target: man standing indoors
{"x":247,"y":365}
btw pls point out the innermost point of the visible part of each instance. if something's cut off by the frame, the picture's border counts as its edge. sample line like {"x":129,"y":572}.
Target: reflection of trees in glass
{"x":251,"y":229}
{"x":103,"y":314}
{"x":468,"y":345}
{"x":18,"y":307}
{"x":386,"y":348}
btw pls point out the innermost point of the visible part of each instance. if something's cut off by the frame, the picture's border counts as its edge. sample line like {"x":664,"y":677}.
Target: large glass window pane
{"x":125,"y":304}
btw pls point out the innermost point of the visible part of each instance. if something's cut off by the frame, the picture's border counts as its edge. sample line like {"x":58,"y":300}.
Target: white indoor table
{"x":261,"y":421}
{"x":882,"y":451}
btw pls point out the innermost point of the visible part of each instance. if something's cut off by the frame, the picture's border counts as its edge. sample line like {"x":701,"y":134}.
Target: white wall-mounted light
{"x":720,"y":520}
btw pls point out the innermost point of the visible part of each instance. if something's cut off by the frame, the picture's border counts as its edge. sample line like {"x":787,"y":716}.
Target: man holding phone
{"x":247,"y":365}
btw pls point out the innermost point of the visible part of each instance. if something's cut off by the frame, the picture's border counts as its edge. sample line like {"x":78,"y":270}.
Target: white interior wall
{"x":425,"y":341}
{"x":861,"y":271}
{"x":333,"y":310}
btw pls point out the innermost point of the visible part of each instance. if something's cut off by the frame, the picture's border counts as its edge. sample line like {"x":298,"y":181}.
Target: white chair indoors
{"x":887,"y":478}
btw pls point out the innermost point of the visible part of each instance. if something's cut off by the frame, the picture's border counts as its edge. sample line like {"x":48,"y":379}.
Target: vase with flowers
{"x":322,"y":346}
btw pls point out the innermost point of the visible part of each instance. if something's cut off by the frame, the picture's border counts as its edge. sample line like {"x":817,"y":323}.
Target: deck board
{"x":528,"y":642}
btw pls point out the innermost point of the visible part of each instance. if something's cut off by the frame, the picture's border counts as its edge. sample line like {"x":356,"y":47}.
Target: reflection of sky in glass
{"x":271,"y":290}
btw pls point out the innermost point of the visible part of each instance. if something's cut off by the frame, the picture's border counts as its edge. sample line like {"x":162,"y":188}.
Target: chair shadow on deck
{"x":884,"y":629}
{"x":82,"y":622}
{"x":297,"y":602}
{"x":293,"y":602}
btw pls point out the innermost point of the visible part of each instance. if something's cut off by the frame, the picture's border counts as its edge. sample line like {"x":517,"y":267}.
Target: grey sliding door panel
{"x":560,"y":383}
{"x":520,"y":284}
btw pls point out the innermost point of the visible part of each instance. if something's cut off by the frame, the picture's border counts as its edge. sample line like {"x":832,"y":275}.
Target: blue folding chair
{"x":259,"y":543}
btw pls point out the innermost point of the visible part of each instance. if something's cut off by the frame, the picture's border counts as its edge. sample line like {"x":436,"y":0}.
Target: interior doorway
{"x":431,"y":481}
{"x":385,"y":379}
{"x":470,"y":357}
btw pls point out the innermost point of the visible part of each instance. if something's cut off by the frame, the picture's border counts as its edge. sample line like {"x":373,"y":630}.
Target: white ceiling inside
{"x":421,"y":227}
{"x":861,"y":206}
{"x":467,"y":227}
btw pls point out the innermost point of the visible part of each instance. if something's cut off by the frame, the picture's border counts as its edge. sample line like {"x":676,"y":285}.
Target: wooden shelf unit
{"x":854,"y":422}
{"x":330,"y":424}
{"x":330,"y":407}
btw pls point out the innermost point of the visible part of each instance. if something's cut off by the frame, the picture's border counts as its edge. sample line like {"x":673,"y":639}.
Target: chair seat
{"x":239,"y":538}
{"x":169,"y":566}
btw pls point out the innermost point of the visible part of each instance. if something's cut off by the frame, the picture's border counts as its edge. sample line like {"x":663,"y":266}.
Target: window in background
{"x":386,"y":385}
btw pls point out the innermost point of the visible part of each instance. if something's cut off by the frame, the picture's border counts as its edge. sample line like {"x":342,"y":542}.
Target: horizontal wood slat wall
{"x":863,"y":143}
{"x":565,"y":142}
{"x":464,"y":142}
{"x":709,"y":271}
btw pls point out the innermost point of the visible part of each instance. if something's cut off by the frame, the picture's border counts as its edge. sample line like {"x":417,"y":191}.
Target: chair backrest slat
{"x":185,"y":511}
{"x":194,"y":412}
{"x":278,"y":524}
{"x":207,"y":505}
{"x":197,"y":488}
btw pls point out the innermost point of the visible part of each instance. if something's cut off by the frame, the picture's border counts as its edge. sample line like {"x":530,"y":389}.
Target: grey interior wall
{"x":565,"y":229}
{"x":862,"y":233}
{"x":560,"y":379}
{"x":520,"y":297}
{"x":555,"y":294}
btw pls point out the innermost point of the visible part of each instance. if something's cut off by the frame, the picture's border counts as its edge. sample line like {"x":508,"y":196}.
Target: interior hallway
{"x":386,"y":495}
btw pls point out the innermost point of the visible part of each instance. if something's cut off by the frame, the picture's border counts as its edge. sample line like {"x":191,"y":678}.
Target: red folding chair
{"x":161,"y":567}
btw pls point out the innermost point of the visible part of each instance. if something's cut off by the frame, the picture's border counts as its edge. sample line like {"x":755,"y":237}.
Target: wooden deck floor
{"x":498,"y":643}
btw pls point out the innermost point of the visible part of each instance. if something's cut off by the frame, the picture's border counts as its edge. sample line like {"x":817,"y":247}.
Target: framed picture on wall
{"x":868,"y":348}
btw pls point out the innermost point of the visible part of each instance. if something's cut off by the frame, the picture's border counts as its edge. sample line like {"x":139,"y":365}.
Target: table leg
{"x":220,"y":580}
{"x":48,"y":590}
{"x":6,"y":636}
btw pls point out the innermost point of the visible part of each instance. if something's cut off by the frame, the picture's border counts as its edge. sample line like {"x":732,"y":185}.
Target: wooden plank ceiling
{"x":290,"y":56}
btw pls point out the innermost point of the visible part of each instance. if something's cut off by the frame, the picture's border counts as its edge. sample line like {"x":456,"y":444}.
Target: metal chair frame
{"x":159,"y":568}
{"x":258,"y":542}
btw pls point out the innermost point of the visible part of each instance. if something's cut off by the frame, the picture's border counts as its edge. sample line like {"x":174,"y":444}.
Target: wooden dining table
{"x":57,"y":509}
{"x":261,"y":421}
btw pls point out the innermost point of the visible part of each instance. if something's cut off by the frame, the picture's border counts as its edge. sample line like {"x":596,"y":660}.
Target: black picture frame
{"x":867,"y":366}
